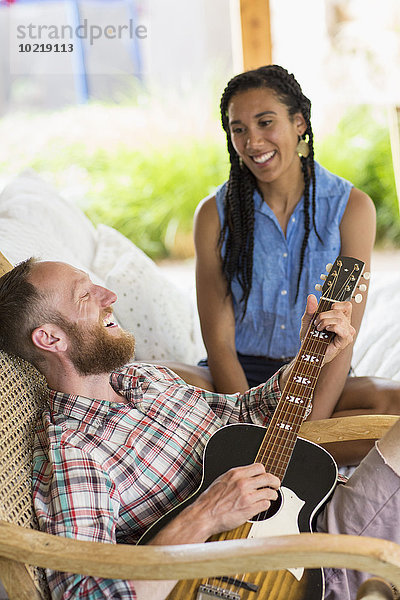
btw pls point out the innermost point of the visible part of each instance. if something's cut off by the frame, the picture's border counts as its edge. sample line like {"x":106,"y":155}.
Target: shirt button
{"x":285,"y":255}
{"x":293,"y":219}
{"x":283,"y":292}
{"x":283,"y":326}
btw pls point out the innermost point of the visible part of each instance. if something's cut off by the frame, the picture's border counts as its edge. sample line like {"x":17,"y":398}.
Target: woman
{"x":264,"y":239}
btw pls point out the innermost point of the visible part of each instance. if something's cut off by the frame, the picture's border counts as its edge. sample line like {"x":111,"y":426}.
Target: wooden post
{"x":5,"y":265}
{"x":256,"y":33}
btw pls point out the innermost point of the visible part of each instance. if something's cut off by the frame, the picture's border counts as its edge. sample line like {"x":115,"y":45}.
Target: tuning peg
{"x":318,"y":287}
{"x":358,"y":298}
{"x":328,"y":267}
{"x":323,"y":277}
{"x":362,"y":287}
{"x":366,"y":275}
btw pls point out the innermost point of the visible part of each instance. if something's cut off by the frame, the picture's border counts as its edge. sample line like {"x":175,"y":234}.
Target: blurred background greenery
{"x":147,"y":181}
{"x":360,"y":151}
{"x":150,"y":195}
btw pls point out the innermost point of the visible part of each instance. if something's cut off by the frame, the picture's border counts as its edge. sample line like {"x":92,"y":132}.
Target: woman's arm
{"x":214,"y":305}
{"x":357,"y":233}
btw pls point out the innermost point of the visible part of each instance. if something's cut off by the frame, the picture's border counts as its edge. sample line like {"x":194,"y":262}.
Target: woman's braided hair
{"x":238,"y":228}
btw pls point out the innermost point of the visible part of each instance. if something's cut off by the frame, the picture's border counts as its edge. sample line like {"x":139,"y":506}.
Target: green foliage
{"x":148,"y":188}
{"x":149,"y":195}
{"x":360,"y":151}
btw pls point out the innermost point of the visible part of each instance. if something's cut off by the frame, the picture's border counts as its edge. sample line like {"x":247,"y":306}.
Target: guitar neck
{"x":278,"y":444}
{"x":277,"y":447}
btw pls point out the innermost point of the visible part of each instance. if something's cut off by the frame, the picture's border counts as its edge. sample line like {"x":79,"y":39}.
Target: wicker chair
{"x":24,"y":551}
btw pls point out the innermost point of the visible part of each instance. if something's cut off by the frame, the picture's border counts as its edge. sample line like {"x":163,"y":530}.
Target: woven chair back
{"x":23,"y":393}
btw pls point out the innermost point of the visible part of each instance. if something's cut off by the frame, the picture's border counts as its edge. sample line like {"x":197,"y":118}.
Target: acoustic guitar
{"x":308,"y":473}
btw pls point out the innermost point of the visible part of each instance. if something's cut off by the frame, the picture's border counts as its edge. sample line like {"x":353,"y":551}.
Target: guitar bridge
{"x":209,"y":592}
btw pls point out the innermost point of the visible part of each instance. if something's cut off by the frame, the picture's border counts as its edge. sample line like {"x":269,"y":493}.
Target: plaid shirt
{"x":105,"y":471}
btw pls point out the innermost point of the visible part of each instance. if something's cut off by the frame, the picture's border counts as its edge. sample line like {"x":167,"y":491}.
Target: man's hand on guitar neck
{"x":337,"y":320}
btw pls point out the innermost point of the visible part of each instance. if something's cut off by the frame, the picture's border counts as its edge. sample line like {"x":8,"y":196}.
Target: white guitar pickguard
{"x":284,"y":522}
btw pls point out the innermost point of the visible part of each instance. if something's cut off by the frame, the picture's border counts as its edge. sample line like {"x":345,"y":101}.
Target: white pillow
{"x":160,"y":314}
{"x":377,"y":348}
{"x":49,"y":225}
{"x":111,"y":245}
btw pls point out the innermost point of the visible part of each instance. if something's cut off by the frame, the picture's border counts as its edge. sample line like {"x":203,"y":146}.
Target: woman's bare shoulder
{"x":206,"y":215}
{"x":360,"y":211}
{"x":206,"y":207}
{"x":360,"y":201}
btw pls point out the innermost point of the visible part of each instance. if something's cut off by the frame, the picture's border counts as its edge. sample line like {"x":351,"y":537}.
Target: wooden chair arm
{"x":193,"y":561}
{"x":375,"y":589}
{"x":342,"y":429}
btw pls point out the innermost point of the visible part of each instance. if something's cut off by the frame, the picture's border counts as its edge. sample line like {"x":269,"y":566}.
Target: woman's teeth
{"x":263,"y":157}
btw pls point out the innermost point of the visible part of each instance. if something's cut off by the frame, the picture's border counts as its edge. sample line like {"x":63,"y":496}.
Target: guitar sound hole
{"x":267,"y":514}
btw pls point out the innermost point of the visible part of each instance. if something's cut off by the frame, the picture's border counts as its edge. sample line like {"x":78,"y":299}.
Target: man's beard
{"x":93,"y":351}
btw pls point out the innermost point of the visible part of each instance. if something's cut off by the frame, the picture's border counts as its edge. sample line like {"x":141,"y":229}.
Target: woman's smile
{"x":263,"y":159}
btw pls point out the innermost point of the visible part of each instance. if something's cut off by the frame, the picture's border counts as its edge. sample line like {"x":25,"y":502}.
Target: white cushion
{"x":111,"y":245}
{"x":377,"y":348}
{"x":160,"y":315}
{"x":35,"y":219}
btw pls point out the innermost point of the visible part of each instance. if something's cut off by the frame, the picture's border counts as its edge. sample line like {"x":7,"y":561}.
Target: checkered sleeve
{"x":75,"y":498}
{"x":254,"y":406}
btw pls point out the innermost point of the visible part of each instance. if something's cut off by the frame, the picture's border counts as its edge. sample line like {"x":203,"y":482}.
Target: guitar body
{"x":307,"y":484}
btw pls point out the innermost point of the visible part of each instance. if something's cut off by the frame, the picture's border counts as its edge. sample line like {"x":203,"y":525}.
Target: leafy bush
{"x":149,"y":189}
{"x":360,"y":151}
{"x":150,"y":196}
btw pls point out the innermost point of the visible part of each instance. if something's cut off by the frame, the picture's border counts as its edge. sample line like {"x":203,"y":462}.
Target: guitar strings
{"x":296,"y":413}
{"x":300,"y":414}
{"x":288,"y":408}
{"x":296,"y":416}
{"x":300,"y":410}
{"x":310,"y":370}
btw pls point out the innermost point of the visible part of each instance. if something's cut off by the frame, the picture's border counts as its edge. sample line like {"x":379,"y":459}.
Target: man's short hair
{"x":21,"y":311}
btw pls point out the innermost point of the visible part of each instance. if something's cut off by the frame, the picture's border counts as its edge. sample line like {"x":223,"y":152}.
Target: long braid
{"x":308,"y":169}
{"x":306,"y":176}
{"x":238,"y":228}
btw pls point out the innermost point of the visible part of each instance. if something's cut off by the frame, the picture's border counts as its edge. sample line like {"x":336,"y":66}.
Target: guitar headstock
{"x":342,"y":279}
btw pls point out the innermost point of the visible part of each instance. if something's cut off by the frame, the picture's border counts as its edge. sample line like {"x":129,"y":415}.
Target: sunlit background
{"x":129,"y":128}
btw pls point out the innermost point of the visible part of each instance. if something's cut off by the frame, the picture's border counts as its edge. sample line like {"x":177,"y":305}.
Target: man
{"x":119,"y":446}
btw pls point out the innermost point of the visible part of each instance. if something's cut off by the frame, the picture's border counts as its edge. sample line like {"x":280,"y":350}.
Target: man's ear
{"x":49,"y":337}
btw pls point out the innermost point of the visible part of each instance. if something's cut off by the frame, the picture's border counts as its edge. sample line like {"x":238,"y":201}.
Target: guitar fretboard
{"x":282,"y":432}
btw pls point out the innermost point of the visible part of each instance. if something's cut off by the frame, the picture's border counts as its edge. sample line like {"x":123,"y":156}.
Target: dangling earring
{"x":241,"y":162}
{"x":303,"y":148}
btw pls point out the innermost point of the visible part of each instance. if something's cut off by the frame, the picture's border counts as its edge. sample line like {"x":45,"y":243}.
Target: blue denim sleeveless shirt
{"x":272,"y":321}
